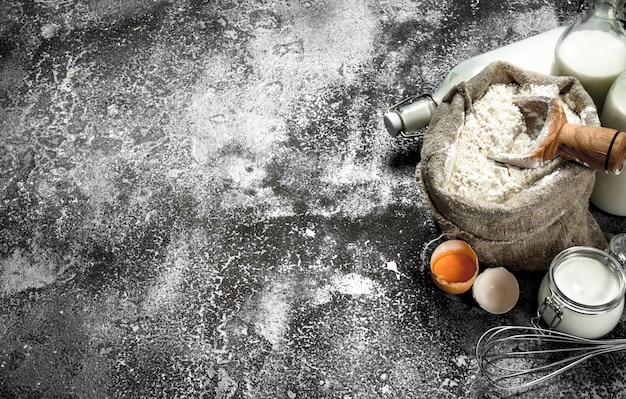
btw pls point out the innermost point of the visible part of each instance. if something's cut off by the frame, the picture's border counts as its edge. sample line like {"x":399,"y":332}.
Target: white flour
{"x":496,"y":125}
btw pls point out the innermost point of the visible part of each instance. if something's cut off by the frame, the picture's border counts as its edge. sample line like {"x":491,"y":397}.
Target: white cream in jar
{"x":583,"y":292}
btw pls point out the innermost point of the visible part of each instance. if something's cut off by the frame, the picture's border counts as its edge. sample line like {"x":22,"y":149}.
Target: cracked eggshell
{"x":496,"y":290}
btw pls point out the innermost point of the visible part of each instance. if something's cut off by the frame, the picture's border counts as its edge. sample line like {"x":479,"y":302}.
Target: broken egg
{"x":496,"y":290}
{"x":454,"y":266}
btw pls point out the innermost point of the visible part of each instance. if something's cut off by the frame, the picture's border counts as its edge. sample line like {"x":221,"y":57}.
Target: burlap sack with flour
{"x":531,"y":228}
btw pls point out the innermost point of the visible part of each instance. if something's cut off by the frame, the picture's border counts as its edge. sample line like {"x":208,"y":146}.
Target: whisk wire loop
{"x":517,"y":357}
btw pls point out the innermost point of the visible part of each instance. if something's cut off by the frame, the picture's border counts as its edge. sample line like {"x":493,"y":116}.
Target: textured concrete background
{"x":198,"y":199}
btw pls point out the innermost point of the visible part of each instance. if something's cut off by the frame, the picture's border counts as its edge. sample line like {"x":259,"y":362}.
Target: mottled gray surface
{"x":199,"y":200}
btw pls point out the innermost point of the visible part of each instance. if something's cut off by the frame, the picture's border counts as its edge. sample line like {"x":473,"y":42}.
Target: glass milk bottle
{"x":594,"y":49}
{"x":609,"y":192}
{"x":535,"y":53}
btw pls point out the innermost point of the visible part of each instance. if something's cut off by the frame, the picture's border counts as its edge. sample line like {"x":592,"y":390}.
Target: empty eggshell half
{"x":496,"y":290}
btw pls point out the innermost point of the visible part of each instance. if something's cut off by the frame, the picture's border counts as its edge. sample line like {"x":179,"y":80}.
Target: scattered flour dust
{"x":353,"y":284}
{"x":496,"y":125}
{"x":236,"y":135}
{"x":165,"y":290}
{"x":22,"y":271}
{"x":271,"y":319}
{"x":271,"y":311}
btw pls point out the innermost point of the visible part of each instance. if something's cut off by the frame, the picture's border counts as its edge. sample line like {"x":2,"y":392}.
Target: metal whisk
{"x":517,"y":357}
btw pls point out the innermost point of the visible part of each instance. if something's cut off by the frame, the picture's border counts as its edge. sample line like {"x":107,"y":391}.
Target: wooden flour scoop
{"x":596,"y":147}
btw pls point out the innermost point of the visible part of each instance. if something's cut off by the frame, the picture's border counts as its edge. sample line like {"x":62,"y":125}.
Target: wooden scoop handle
{"x":599,"y":148}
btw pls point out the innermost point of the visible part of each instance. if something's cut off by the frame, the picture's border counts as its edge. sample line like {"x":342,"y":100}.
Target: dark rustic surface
{"x":199,"y":200}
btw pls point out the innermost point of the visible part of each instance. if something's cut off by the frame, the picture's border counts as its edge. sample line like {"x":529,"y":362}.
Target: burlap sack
{"x":535,"y":225}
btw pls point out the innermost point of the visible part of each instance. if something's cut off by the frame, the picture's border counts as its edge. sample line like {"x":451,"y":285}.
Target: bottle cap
{"x":393,"y":123}
{"x":409,"y":116}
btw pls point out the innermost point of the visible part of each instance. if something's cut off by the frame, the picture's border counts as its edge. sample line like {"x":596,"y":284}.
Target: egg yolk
{"x":454,"y":267}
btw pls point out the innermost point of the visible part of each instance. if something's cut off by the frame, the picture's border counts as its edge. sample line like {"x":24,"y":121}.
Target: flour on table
{"x":496,"y":125}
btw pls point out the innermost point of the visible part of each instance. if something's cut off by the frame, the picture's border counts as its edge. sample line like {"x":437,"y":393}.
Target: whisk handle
{"x":597,"y":147}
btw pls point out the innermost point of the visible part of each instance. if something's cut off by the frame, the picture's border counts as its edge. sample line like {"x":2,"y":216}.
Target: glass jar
{"x":617,"y":248}
{"x":582,"y":293}
{"x":594,"y":49}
